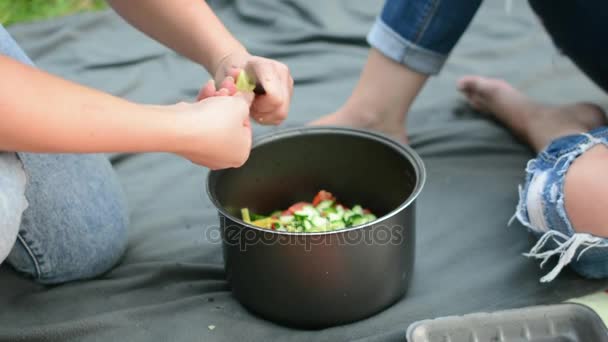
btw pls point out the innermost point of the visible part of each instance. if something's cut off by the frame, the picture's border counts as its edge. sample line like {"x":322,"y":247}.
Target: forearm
{"x":42,"y":113}
{"x":187,"y":26}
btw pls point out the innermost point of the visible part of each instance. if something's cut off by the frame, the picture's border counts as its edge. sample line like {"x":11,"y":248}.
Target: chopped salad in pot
{"x":323,"y":214}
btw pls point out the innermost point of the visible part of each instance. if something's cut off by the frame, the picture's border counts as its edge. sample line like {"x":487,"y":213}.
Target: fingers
{"x":287,"y":81}
{"x":272,"y":107}
{"x":247,"y":96}
{"x":229,"y":84}
{"x":227,"y":88}
{"x":207,"y":91}
{"x":268,"y":76}
{"x":234,"y":73}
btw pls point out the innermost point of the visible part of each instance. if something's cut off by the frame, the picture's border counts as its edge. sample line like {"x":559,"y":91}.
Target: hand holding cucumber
{"x":268,"y":79}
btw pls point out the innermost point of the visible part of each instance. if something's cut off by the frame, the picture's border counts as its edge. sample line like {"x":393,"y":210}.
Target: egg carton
{"x":547,"y":323}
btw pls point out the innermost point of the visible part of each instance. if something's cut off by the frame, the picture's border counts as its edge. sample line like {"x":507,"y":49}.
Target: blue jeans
{"x":74,"y":222}
{"x":420,"y":34}
{"x":542,"y":209}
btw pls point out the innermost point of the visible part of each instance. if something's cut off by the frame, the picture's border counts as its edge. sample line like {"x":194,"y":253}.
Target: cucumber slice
{"x":370,"y":217}
{"x":300,"y":215}
{"x":244,"y":83}
{"x":307,"y":225}
{"x":307,"y":212}
{"x":245,"y":215}
{"x":286,"y":219}
{"x":359,"y":220}
{"x":350,"y":219}
{"x":348,"y":215}
{"x":335,"y":217}
{"x":357,"y":209}
{"x":319,"y":222}
{"x":325,"y":205}
{"x":330,"y":210}
{"x":337,"y":225}
{"x":255,"y":217}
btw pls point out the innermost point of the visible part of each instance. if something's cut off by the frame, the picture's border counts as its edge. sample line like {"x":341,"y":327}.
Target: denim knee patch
{"x":542,"y":210}
{"x":12,"y":201}
{"x":76,"y":224}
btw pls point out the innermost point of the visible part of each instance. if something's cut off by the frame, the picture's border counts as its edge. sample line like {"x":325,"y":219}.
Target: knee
{"x":586,"y":192}
{"x":86,"y":247}
{"x":76,"y":227}
{"x":581,"y":206}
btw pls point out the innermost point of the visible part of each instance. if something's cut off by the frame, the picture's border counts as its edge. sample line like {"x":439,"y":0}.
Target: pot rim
{"x":405,"y":150}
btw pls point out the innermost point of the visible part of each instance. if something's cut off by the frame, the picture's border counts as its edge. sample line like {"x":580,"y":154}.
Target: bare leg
{"x":585,"y":191}
{"x":381,"y":99}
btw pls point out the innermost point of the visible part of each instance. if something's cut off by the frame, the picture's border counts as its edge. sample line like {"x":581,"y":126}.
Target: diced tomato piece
{"x":366,"y":211}
{"x":297,"y":206}
{"x":322,"y":196}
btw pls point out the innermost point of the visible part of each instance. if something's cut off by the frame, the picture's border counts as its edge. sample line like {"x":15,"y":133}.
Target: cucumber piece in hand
{"x":244,"y":83}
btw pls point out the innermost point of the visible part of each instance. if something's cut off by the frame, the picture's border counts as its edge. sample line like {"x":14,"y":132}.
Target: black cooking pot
{"x":315,"y":280}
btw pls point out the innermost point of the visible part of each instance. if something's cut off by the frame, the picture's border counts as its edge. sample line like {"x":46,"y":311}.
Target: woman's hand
{"x":215,"y":132}
{"x":272,"y":107}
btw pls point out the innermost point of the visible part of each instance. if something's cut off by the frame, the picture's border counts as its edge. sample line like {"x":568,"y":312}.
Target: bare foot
{"x":381,"y":99}
{"x":537,"y":124}
{"x":386,"y":124}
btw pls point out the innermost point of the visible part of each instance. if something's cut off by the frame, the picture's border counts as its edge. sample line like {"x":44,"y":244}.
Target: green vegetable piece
{"x":319,"y":222}
{"x":359,"y":220}
{"x":244,"y":83}
{"x":286,"y":219}
{"x":307,"y":225}
{"x":245,"y":215}
{"x":334,"y":217}
{"x":255,"y":217}
{"x":325,"y":205}
{"x":337,"y":225}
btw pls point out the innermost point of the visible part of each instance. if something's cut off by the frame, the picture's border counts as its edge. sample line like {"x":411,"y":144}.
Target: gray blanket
{"x":170,"y":285}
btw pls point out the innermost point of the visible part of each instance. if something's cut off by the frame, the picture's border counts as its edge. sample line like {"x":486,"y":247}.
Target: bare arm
{"x":191,"y":28}
{"x":42,"y":113}
{"x":187,"y":26}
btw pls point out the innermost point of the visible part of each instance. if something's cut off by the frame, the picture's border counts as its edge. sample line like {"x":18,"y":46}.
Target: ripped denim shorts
{"x":541,"y":208}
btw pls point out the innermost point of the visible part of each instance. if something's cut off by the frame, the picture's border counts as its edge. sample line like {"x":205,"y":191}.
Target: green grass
{"x":17,"y":11}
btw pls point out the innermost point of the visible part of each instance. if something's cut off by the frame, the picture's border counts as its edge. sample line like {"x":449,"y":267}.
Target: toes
{"x":476,"y":101}
{"x":468,"y":84}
